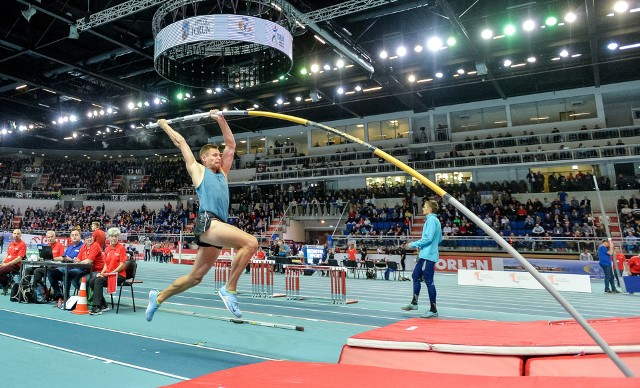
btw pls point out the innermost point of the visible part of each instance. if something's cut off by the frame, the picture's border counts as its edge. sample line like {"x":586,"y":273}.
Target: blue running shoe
{"x":230,"y":301}
{"x":153,"y":304}
{"x":430,"y":314}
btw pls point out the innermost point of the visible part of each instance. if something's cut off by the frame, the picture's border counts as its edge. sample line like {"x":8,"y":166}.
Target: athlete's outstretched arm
{"x":194,"y":168}
{"x":229,"y":142}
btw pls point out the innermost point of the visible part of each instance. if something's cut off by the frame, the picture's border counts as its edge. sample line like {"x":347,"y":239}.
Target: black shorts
{"x":202,"y":224}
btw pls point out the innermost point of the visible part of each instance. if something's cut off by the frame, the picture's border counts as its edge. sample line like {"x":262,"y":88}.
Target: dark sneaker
{"x":95,"y":311}
{"x":105,"y":308}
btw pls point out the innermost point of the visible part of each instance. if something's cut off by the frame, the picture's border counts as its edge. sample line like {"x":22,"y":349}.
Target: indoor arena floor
{"x":44,"y":345}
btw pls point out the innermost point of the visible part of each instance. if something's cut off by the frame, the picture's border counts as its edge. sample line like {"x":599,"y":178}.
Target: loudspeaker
{"x":315,"y":95}
{"x":481,"y":68}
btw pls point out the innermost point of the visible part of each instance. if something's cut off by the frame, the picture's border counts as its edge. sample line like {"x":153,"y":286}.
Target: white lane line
{"x":94,"y":357}
{"x":142,"y":336}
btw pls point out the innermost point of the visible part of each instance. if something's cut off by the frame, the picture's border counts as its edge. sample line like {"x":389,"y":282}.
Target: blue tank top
{"x":213,"y":194}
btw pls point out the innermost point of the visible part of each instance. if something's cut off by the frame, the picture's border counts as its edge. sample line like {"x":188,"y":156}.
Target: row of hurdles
{"x":263,"y":280}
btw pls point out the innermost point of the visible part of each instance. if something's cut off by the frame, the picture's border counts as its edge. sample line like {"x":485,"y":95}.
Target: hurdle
{"x":262,"y":279}
{"x":221,"y":270}
{"x":337,"y":280}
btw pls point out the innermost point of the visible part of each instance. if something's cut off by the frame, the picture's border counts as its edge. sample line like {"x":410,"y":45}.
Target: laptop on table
{"x":45,"y":253}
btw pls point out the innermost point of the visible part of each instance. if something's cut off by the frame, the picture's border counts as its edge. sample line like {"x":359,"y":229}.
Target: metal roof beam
{"x":458,"y":26}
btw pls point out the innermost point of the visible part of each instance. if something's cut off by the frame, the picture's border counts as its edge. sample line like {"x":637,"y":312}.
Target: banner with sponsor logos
{"x":508,"y":279}
{"x":591,"y":268}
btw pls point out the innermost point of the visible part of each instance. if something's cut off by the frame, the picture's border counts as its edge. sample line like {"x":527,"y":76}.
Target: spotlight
{"x":298,"y":98}
{"x":551,"y":21}
{"x":531,"y":59}
{"x":451,"y":41}
{"x":612,"y":46}
{"x":618,"y":7}
{"x":73,"y":32}
{"x":401,"y":51}
{"x":28,"y":13}
{"x":434,"y":44}
{"x":340,"y":63}
{"x":509,"y":29}
{"x":418,"y":48}
{"x":315,"y":68}
{"x":486,"y":34}
{"x":570,"y":17}
{"x":411,"y":78}
{"x":528,"y":25}
{"x":340,"y":90}
{"x":507,"y":63}
{"x":564,"y":53}
{"x":439,"y":75}
{"x":383,"y":54}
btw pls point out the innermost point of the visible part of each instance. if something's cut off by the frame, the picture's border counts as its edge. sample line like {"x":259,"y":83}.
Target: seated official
{"x":90,"y":253}
{"x":115,"y":257}
{"x":57,"y":251}
{"x":56,"y":275}
{"x":16,"y":252}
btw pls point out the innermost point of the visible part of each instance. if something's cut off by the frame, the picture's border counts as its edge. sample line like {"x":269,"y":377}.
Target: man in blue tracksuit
{"x":427,"y":258}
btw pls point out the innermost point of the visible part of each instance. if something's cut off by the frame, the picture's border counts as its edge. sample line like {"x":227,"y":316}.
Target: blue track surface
{"x":111,"y":349}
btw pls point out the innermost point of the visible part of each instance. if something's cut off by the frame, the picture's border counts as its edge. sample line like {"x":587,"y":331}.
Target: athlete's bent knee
{"x":252,"y":244}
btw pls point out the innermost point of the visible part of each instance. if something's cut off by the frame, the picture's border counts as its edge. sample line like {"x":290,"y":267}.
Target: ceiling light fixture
{"x":618,"y":7}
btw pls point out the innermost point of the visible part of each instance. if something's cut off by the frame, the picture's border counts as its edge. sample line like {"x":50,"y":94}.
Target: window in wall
{"x":495,"y":117}
{"x":454,"y":177}
{"x":388,"y":129}
{"x":322,"y":138}
{"x":256,"y":145}
{"x":388,"y":181}
{"x":440,"y":121}
{"x":524,"y":114}
{"x":581,"y":107}
{"x":551,"y":111}
{"x":466,"y":120}
{"x":355,"y":130}
{"x":241,"y":147}
{"x":374,"y":131}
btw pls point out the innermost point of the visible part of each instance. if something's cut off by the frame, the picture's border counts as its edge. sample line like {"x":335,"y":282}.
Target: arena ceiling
{"x":47,"y":73}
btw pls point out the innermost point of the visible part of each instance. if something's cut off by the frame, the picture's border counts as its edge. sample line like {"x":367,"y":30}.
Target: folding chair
{"x":352,"y":266}
{"x":392,"y":266}
{"x":130,"y":267}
